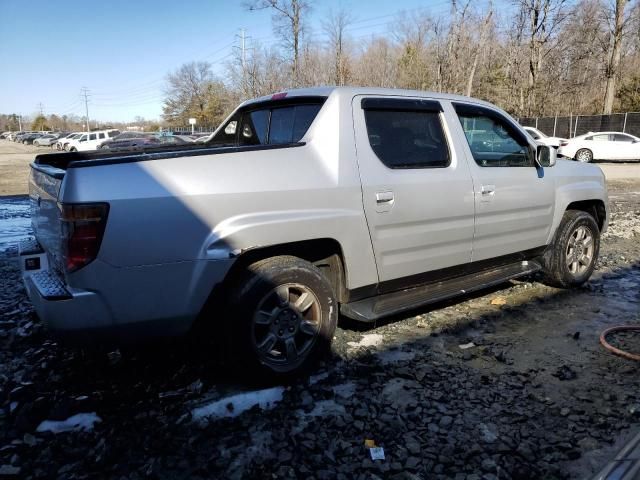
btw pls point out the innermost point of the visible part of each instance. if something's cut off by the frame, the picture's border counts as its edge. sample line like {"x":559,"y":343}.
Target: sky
{"x":122,"y":50}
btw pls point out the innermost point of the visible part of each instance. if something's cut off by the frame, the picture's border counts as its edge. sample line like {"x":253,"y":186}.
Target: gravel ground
{"x":508,"y":383}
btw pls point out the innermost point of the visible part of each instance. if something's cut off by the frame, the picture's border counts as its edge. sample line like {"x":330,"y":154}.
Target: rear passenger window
{"x":406,"y":138}
{"x":618,"y":137}
{"x":100,"y":136}
{"x":493,"y":141}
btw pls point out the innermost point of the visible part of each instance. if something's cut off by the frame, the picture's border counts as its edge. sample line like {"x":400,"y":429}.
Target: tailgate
{"x":44,"y":187}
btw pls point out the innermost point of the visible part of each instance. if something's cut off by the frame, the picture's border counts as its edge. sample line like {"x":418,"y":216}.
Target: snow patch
{"x":236,"y":404}
{"x":313,"y":379}
{"x":368,"y":340}
{"x":81,"y":421}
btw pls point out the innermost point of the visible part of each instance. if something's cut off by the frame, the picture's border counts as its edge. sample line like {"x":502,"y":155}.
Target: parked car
{"x":91,"y":140}
{"x":121,"y":136}
{"x":29,"y":138}
{"x":145,"y":141}
{"x":5,"y":135}
{"x":63,"y":141}
{"x":45,"y":140}
{"x":592,"y":146}
{"x":363,"y":201}
{"x":18,"y":137}
{"x":540,"y":137}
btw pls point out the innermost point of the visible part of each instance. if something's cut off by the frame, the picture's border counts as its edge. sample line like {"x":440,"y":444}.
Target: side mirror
{"x":546,"y":156}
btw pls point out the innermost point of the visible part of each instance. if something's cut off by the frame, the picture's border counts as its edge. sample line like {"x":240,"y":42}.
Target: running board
{"x":374,"y":308}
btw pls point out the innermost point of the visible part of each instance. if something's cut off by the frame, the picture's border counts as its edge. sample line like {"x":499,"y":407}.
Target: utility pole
{"x":85,"y":94}
{"x":41,"y":109}
{"x":20,"y":122}
{"x":243,"y":57}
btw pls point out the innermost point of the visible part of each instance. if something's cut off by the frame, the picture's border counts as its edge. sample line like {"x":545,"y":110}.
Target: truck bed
{"x":65,"y":160}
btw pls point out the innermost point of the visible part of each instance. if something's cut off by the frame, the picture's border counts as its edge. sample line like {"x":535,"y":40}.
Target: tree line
{"x":535,"y":58}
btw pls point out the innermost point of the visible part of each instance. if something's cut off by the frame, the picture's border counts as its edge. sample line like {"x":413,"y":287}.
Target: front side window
{"x":92,"y":136}
{"x":493,"y":140}
{"x":407,"y":139}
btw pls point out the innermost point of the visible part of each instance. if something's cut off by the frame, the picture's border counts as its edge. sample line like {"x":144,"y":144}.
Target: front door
{"x":417,"y":192}
{"x":514,"y":198}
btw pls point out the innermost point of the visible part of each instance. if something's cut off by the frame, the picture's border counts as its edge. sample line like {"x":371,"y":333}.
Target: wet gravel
{"x":508,"y":383}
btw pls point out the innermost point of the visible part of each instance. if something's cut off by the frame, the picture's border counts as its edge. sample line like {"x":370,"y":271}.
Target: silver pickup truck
{"x":302,"y":206}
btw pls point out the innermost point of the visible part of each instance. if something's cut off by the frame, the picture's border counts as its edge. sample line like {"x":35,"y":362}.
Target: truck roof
{"x":353,"y":91}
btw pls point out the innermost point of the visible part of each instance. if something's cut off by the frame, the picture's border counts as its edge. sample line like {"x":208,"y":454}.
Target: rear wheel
{"x":571,"y":259}
{"x":73,"y":149}
{"x":584,"y":155}
{"x":283,"y":315}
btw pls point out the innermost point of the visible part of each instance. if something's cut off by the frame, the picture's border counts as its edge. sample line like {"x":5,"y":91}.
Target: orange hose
{"x":617,"y":351}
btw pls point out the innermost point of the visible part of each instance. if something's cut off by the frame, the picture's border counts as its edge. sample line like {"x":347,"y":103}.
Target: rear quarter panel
{"x":213,"y":206}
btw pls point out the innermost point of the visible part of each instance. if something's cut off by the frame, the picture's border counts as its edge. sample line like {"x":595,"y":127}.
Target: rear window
{"x":268,"y":124}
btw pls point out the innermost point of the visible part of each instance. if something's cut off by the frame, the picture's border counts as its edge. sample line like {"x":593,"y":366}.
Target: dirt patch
{"x":531,"y":394}
{"x":14,"y":166}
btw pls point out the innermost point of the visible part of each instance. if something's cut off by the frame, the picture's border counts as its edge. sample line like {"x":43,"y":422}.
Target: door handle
{"x":488,"y":189}
{"x":384,"y":197}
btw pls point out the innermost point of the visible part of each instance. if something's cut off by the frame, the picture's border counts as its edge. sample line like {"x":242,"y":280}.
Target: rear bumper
{"x":119,"y":304}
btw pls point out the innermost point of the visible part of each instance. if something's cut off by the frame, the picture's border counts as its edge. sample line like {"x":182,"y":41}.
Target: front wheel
{"x":584,"y":155}
{"x":284,"y":315}
{"x":73,"y":149}
{"x":571,"y":258}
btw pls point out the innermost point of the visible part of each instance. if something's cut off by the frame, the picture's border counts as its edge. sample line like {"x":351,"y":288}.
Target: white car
{"x":63,"y":142}
{"x":602,"y":146}
{"x":91,"y":140}
{"x":543,"y":139}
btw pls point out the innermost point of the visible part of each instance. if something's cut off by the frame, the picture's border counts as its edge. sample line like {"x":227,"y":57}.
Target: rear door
{"x":626,"y":149}
{"x":417,"y":192}
{"x":514,"y":199}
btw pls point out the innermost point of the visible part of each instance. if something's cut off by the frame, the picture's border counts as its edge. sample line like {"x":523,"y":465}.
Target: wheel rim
{"x":579,"y":254}
{"x":285,"y":326}
{"x":583,"y":156}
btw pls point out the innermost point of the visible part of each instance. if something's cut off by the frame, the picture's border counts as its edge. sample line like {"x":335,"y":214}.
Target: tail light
{"x":564,"y":143}
{"x":82,"y":231}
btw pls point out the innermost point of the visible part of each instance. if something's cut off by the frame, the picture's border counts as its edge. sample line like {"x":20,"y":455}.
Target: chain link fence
{"x":187,"y":130}
{"x":574,"y":125}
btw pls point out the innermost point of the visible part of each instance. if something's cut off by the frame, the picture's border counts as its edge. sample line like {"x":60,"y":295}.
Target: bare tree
{"x":193,"y":91}
{"x":335,"y":28}
{"x":288,"y":25}
{"x":544,"y":16}
{"x":613,"y":62}
{"x":478,"y":51}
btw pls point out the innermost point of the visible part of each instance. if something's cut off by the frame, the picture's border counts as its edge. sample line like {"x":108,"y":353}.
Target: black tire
{"x":570,"y":260}
{"x":275,"y":336}
{"x":584,"y":155}
{"x":73,"y":149}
